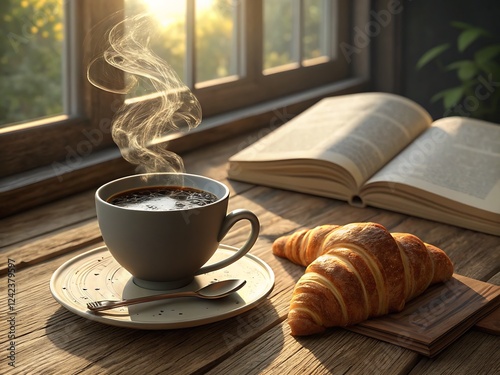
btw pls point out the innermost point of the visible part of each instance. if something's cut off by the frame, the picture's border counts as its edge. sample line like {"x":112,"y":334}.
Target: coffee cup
{"x":164,"y":227}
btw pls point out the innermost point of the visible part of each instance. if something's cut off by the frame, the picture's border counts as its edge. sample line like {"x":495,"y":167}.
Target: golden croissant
{"x":355,"y":272}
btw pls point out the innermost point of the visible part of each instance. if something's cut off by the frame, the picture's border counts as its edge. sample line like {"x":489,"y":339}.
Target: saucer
{"x":95,"y":275}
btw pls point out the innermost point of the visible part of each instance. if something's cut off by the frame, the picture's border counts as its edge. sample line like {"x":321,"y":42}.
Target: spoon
{"x":214,"y":290}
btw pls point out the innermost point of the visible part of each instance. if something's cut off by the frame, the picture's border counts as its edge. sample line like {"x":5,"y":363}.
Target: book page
{"x":457,"y":158}
{"x":359,"y":132}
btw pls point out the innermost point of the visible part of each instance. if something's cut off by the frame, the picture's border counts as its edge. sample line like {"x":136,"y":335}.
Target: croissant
{"x":355,"y":272}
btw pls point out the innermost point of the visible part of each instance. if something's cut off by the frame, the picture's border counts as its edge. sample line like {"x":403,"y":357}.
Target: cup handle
{"x":232,"y":218}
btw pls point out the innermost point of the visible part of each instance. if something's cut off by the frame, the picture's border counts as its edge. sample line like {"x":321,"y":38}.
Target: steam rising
{"x":139,"y":127}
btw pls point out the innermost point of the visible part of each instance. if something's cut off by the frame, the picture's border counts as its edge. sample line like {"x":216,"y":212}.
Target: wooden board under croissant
{"x":490,"y":323}
{"x":431,"y":322}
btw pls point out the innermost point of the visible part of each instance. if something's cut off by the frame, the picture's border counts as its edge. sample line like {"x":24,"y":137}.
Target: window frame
{"x":45,"y":160}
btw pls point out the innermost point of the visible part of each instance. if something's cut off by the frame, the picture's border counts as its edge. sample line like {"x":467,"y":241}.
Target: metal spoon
{"x":215,"y":290}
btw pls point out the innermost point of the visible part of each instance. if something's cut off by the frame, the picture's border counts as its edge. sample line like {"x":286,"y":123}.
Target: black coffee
{"x":162,"y":198}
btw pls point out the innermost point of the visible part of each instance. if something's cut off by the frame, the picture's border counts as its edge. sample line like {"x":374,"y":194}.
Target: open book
{"x":384,"y":151}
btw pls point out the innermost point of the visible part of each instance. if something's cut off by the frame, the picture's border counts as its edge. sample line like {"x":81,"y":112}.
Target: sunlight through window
{"x":198,"y":39}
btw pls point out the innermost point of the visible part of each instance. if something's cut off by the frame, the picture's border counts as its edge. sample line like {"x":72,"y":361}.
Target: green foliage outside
{"x":30,"y":59}
{"x":477,"y":71}
{"x":279,"y":42}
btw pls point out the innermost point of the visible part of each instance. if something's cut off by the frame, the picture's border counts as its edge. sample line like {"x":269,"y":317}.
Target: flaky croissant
{"x":355,"y":272}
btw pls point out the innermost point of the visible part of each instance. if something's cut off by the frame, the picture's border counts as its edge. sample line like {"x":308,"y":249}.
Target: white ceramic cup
{"x":166,"y":249}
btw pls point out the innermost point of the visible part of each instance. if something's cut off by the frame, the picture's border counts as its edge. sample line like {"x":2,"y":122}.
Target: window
{"x":31,"y":60}
{"x":232,"y":54}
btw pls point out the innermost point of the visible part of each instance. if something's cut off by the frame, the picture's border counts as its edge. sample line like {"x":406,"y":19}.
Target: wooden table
{"x":45,"y":338}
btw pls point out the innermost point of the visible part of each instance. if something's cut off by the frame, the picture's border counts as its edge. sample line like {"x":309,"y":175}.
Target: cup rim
{"x":135,"y":176}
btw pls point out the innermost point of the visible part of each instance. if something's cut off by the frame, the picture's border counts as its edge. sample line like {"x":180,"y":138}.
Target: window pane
{"x":216,"y":39}
{"x":167,"y":35}
{"x":170,"y":41}
{"x":210,"y":26}
{"x":31,"y":50}
{"x":315,"y":29}
{"x":278,"y":33}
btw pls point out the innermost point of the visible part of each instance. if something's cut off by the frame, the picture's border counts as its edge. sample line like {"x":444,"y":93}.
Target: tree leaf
{"x":461,"y":25}
{"x":437,"y":96}
{"x":468,"y":36}
{"x":486,"y":54}
{"x":432,"y":54}
{"x":450,"y":96}
{"x":456,"y":65}
{"x":466,"y":69}
{"x":491,"y":67}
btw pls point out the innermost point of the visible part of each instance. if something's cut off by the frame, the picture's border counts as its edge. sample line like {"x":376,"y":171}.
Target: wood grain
{"x":490,"y":323}
{"x":51,"y":245}
{"x":434,"y":320}
{"x":47,"y":218}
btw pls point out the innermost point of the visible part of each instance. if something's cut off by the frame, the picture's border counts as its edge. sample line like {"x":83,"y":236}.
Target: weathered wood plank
{"x":51,"y":245}
{"x":475,"y":353}
{"x":335,"y":352}
{"x":255,"y":342}
{"x":47,"y":218}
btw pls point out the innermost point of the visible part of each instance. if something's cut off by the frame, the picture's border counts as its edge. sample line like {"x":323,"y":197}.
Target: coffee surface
{"x":163,"y":198}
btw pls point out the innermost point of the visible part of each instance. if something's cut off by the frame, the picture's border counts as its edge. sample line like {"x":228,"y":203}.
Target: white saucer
{"x":95,"y":275}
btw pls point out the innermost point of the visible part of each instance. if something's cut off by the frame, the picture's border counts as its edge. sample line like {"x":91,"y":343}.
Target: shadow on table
{"x":123,"y":350}
{"x":341,"y":352}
